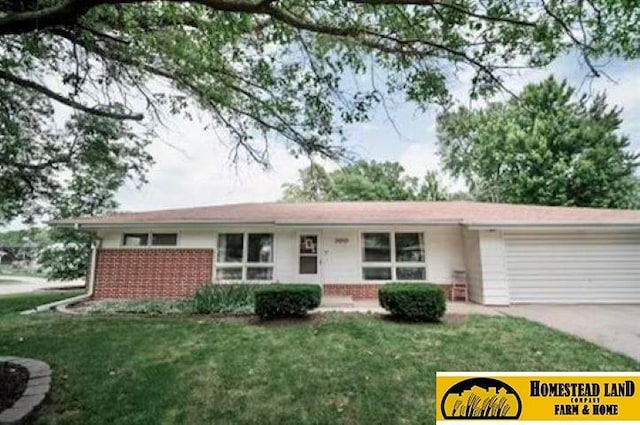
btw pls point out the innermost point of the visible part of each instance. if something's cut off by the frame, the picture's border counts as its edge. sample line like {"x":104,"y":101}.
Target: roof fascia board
{"x":555,"y":226}
{"x":227,"y":224}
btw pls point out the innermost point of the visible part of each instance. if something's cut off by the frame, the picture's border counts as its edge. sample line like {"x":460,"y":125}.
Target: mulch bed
{"x":13,"y":381}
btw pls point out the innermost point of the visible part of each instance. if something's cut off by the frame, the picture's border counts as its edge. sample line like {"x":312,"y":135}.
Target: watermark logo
{"x":481,"y":398}
{"x":534,"y":397}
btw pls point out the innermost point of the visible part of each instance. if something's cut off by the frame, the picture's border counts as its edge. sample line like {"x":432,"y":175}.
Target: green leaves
{"x":364,"y":181}
{"x":548,"y":147}
{"x":285,"y":70}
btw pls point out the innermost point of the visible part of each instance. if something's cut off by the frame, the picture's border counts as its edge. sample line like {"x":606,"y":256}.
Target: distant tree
{"x":432,"y":188}
{"x":314,"y":184}
{"x":372,"y":181}
{"x":90,"y":190}
{"x":23,"y":244}
{"x":549,"y":146}
{"x":364,"y":181}
{"x":39,"y":161}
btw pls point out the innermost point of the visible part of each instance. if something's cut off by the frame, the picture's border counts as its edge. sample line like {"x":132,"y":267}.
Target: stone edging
{"x":34,"y":394}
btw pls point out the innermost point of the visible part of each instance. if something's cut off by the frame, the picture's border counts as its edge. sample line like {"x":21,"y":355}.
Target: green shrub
{"x":224,"y":298}
{"x":413,"y":301}
{"x":141,"y":307}
{"x":286,"y":300}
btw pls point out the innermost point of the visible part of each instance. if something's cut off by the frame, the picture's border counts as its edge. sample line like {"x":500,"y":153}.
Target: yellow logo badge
{"x":481,"y":398}
{"x":532,"y":397}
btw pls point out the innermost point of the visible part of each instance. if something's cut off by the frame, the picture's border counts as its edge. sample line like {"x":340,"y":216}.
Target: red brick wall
{"x":355,"y":290}
{"x":360,"y":291}
{"x":151,"y":273}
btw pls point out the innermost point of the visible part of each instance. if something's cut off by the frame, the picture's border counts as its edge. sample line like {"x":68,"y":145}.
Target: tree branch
{"x":447,"y":5}
{"x":69,"y":11}
{"x":65,"y":100}
{"x":584,"y":48}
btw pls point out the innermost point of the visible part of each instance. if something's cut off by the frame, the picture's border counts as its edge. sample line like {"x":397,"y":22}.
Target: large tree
{"x":263,"y":68}
{"x":549,"y":146}
{"x":364,"y":181}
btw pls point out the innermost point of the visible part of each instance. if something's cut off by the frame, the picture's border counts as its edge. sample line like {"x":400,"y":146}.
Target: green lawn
{"x":341,"y":369}
{"x":21,"y":302}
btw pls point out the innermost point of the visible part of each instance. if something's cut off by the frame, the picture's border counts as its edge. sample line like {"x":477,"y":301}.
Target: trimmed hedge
{"x":224,"y":299}
{"x":286,"y":300}
{"x":413,"y":301}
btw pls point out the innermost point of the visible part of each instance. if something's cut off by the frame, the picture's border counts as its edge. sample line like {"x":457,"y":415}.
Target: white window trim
{"x":244,"y":264}
{"x":393,"y":264}
{"x":149,"y":238}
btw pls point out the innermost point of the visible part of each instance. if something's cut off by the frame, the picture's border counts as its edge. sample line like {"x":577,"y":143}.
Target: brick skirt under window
{"x":360,"y":290}
{"x":149,"y":273}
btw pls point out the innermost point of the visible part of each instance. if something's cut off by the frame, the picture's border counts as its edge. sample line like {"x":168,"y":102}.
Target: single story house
{"x":510,"y":253}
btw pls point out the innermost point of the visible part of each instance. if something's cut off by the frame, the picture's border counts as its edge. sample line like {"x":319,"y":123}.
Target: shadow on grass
{"x":448,"y":319}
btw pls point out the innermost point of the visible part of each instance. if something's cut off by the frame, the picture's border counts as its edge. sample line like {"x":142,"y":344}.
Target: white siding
{"x":341,"y":256}
{"x":205,"y":238}
{"x":339,"y":249}
{"x":192,"y":238}
{"x":495,"y":289}
{"x":286,"y":252}
{"x":110,"y":239}
{"x":445,"y":253}
{"x":573,"y":267}
{"x":473,"y":264}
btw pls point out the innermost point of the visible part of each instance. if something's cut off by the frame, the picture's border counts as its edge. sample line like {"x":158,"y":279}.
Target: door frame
{"x":308,"y":277}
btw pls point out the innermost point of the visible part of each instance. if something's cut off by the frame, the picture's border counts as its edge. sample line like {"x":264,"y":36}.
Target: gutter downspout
{"x":63,"y":304}
{"x":95,"y":246}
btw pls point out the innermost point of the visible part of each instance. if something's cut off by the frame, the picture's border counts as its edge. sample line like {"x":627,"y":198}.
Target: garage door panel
{"x":573,"y":268}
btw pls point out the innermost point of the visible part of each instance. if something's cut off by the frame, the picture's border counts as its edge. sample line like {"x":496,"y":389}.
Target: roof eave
{"x":575,"y":225}
{"x":278,"y":223}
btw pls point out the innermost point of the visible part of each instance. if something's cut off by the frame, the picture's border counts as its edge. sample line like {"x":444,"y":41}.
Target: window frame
{"x":393,"y":264}
{"x":245,"y":264}
{"x":149,"y":244}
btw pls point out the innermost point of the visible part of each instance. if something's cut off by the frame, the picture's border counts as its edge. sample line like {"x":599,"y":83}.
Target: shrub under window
{"x":286,"y":300}
{"x":413,"y":301}
{"x":227,"y":299}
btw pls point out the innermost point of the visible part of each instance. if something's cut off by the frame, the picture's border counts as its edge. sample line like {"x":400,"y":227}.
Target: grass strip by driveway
{"x":15,"y":303}
{"x":339,"y":369}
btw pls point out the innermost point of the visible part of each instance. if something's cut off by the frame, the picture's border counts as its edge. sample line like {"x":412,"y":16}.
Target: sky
{"x":200,"y":173}
{"x":192,"y":165}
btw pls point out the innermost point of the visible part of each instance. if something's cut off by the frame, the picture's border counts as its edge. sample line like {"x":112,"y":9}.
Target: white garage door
{"x":573,"y":268}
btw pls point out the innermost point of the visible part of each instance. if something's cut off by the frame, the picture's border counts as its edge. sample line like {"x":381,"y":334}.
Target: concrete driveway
{"x":616,"y":327}
{"x":21,"y":284}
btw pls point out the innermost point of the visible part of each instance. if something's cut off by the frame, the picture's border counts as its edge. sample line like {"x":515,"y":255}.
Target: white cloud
{"x":418,"y":158}
{"x":193,"y":168}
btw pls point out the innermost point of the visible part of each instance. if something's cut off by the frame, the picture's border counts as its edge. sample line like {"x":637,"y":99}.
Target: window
{"x":135,"y":239}
{"x":410,"y":273}
{"x":393,"y":256}
{"x":230,"y":247}
{"x":376,"y":273}
{"x":229,"y":273}
{"x":245,"y":256}
{"x":164,"y":239}
{"x":376,"y":247}
{"x":409,"y":247}
{"x":157,"y":239}
{"x":260,"y":247}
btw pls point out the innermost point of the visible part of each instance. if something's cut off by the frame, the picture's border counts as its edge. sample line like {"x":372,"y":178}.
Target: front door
{"x":308,"y":260}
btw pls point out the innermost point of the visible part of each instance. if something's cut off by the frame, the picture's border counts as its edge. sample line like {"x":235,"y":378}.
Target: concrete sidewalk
{"x":20,"y":284}
{"x":349,"y":305}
